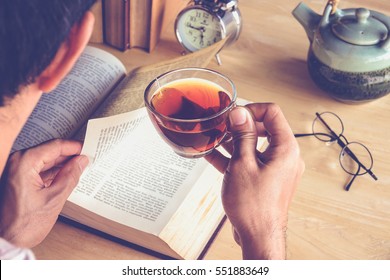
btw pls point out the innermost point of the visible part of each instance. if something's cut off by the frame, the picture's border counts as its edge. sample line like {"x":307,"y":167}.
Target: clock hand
{"x":201,"y":29}
{"x":193,"y":27}
{"x":201,"y":39}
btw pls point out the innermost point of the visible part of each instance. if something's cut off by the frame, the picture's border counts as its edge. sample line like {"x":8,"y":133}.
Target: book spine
{"x":97,"y":34}
{"x":116,"y":23}
{"x":126,"y":25}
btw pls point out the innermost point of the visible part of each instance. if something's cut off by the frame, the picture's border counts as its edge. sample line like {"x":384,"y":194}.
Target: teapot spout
{"x":307,"y":18}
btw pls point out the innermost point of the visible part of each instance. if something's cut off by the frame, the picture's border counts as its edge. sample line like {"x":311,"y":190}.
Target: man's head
{"x":32,"y":34}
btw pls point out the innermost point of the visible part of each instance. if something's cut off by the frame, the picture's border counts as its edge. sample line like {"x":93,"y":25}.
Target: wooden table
{"x":268,"y":64}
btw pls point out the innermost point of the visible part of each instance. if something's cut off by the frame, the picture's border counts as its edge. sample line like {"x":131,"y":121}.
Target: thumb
{"x":244,"y":133}
{"x":68,"y":177}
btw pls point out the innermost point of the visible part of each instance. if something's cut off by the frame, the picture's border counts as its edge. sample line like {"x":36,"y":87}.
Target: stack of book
{"x":126,"y":24}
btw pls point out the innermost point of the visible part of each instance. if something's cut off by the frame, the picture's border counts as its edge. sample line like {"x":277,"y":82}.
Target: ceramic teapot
{"x":349,"y":54}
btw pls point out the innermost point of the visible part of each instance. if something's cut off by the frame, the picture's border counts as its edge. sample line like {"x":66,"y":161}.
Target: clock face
{"x":197,"y":28}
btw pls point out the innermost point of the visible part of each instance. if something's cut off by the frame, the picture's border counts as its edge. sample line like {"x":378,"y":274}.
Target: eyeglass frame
{"x":344,"y":147}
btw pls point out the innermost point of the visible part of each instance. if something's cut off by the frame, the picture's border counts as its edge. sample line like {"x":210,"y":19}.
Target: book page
{"x":134,"y":177}
{"x":60,"y":113}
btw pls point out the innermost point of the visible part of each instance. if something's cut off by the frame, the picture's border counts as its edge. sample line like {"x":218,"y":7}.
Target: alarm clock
{"x":205,"y":22}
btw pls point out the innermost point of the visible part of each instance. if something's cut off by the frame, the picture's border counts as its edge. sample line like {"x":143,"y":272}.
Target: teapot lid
{"x":360,"y":28}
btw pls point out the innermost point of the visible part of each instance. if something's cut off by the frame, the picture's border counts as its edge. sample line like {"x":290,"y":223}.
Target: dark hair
{"x":31,"y":32}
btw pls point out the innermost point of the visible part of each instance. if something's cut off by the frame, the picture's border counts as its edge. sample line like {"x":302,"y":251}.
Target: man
{"x":40,"y":42}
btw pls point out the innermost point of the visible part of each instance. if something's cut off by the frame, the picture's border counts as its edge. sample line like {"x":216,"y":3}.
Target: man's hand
{"x":34,"y":188}
{"x":258,"y":187}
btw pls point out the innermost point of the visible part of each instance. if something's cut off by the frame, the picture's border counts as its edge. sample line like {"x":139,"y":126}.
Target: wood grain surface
{"x":268,"y":64}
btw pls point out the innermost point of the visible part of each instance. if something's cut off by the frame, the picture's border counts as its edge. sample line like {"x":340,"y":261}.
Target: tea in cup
{"x":189,"y":108}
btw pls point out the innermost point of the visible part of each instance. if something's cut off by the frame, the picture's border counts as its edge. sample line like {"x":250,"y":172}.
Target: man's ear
{"x":67,"y":54}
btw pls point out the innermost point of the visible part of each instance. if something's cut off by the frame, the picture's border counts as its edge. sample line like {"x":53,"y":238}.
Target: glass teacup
{"x":189,"y":108}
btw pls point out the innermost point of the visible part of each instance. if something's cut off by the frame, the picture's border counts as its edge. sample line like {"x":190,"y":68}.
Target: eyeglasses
{"x":355,"y":158}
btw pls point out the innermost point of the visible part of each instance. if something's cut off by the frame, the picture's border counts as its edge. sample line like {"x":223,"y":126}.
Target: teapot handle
{"x":334,"y":4}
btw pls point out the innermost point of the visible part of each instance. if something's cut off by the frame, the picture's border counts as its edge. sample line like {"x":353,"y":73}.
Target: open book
{"x":135,"y":188}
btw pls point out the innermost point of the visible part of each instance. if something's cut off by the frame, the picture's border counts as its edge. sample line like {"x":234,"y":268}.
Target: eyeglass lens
{"x":326,"y":123}
{"x":348,"y":155}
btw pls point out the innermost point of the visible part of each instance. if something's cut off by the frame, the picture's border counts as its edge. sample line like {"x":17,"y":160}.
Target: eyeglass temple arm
{"x":297,"y":135}
{"x":303,"y":134}
{"x":348,"y":186}
{"x":349,"y":152}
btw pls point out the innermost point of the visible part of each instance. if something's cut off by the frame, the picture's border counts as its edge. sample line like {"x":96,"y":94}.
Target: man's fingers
{"x":244,"y":133}
{"x":228,"y":146}
{"x":218,"y":160}
{"x":52,"y":153}
{"x":274,"y":122}
{"x":49,"y":175}
{"x":68,"y":177}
